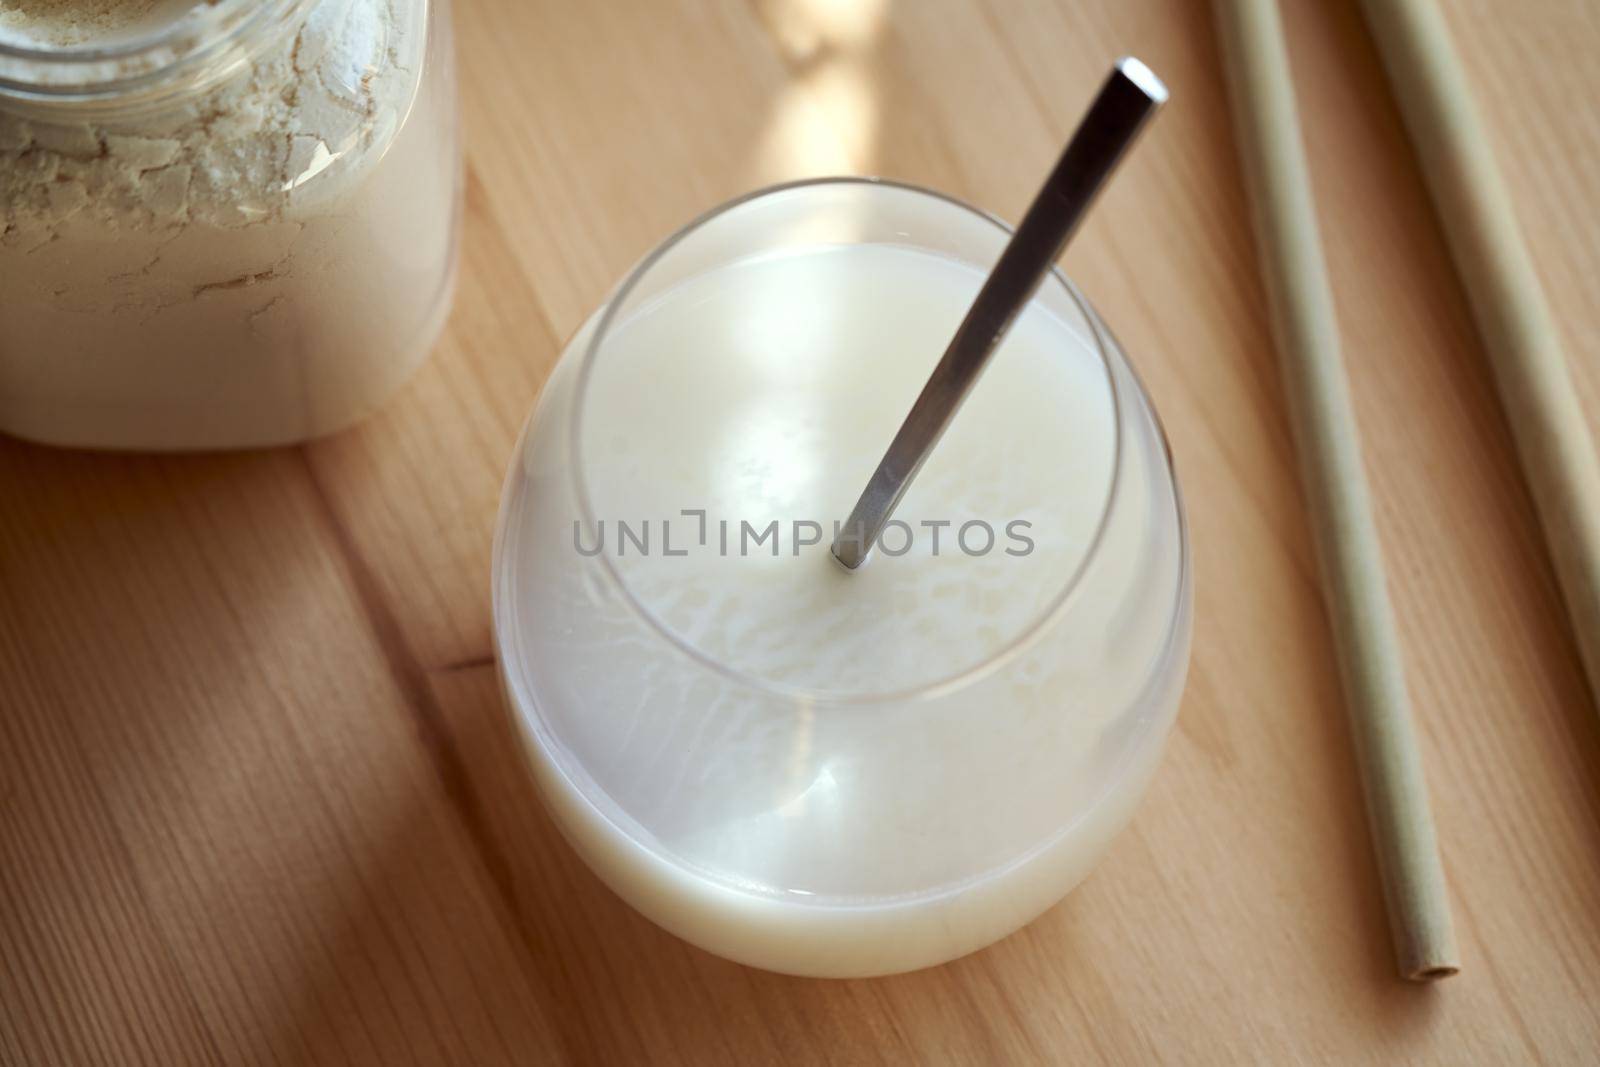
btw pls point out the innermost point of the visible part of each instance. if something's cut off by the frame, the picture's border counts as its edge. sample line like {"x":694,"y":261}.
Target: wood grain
{"x":258,"y":797}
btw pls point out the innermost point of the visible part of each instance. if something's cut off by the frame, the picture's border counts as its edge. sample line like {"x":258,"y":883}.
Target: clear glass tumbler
{"x":796,"y":767}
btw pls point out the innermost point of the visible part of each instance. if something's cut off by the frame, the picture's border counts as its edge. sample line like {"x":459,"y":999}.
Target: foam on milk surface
{"x":767,"y":391}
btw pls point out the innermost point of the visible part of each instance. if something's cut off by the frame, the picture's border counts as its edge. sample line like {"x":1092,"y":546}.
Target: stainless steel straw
{"x":1127,"y":100}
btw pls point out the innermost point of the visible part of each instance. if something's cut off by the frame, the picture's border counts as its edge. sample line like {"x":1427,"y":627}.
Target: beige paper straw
{"x":1306,"y":334}
{"x":1553,"y":440}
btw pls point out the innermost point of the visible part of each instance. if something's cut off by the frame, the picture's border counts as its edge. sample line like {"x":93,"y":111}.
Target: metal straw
{"x":1129,"y":97}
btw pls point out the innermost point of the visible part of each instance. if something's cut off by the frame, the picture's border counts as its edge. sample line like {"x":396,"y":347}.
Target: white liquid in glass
{"x":775,"y":386}
{"x":884,"y":769}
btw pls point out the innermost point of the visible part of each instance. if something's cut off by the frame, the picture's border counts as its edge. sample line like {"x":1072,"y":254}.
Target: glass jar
{"x":805,"y":769}
{"x":230,"y":225}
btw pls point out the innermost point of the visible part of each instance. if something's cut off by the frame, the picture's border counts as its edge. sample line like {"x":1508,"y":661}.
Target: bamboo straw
{"x":1364,"y":631}
{"x":1553,"y":440}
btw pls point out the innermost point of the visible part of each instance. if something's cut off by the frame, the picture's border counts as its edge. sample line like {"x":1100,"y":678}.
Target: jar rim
{"x":193,"y":51}
{"x":1105,"y":348}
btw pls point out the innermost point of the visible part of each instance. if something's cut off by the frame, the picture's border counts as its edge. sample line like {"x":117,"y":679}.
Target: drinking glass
{"x":795,"y":767}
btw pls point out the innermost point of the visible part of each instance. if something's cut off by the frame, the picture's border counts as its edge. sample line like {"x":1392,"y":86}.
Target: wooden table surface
{"x":259,"y":798}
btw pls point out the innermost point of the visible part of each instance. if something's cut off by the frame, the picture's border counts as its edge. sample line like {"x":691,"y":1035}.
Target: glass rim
{"x":98,"y":72}
{"x":1104,"y":347}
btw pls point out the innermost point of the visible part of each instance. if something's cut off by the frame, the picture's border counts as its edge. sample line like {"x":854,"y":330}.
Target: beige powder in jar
{"x":258,"y":263}
{"x":86,"y":22}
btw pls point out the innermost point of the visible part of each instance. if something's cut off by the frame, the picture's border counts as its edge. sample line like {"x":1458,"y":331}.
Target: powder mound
{"x":67,"y":23}
{"x":244,"y":261}
{"x":234,"y":156}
